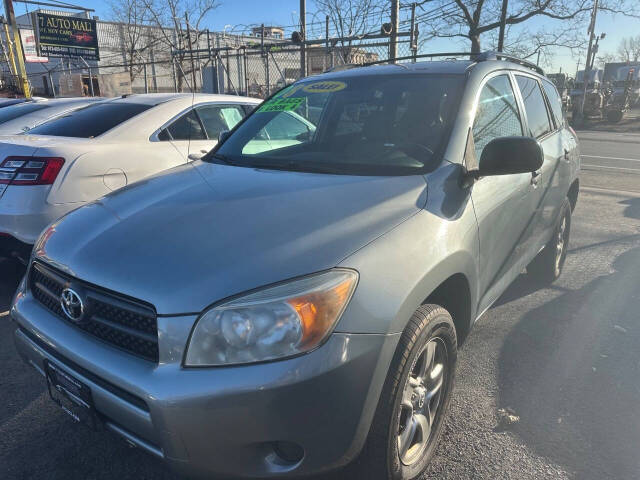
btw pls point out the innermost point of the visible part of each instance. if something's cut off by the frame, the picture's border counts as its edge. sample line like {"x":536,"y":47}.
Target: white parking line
{"x":604,"y":167}
{"x":612,"y":158}
{"x":610,"y":191}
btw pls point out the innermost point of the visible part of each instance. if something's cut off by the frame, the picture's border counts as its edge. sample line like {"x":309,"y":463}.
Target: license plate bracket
{"x":71,"y":395}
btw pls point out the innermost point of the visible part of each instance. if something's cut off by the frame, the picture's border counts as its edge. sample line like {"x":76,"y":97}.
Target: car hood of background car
{"x":197,"y":234}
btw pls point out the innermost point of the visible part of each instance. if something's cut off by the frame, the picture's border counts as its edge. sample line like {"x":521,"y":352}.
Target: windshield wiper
{"x":292,"y":165}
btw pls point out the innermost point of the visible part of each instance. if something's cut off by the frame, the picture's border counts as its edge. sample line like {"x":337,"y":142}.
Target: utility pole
{"x":393,"y":41}
{"x":21,"y":71}
{"x":596,"y":48}
{"x":587,"y":66}
{"x":303,"y":34}
{"x":503,"y":24}
{"x":12,"y":66}
{"x":414,"y":33}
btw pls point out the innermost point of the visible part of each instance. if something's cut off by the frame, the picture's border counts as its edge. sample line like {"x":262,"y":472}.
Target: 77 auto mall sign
{"x":60,"y":36}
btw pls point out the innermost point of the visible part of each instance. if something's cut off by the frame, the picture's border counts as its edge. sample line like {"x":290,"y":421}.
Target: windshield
{"x":14,"y":111}
{"x":365,"y":125}
{"x":90,"y":121}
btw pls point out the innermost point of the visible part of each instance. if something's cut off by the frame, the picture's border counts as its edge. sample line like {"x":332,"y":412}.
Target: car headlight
{"x":272,"y":323}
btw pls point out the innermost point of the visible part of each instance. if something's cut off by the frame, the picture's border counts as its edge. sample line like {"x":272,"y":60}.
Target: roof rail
{"x":492,"y":55}
{"x":448,"y":55}
{"x":477,"y":57}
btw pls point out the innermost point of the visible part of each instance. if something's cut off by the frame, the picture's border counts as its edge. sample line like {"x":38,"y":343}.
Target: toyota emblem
{"x":71,"y":304}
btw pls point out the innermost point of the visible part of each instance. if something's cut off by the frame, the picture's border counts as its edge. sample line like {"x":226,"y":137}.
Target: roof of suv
{"x":433,"y":67}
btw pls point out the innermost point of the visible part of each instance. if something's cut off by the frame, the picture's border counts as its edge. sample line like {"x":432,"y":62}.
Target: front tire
{"x":414,"y":400}
{"x":547,"y":266}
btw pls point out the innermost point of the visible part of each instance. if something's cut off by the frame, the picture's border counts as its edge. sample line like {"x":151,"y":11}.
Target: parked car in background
{"x":5,"y":102}
{"x":564,"y":85}
{"x":22,"y":117}
{"x":82,"y":155}
{"x":282,"y":309}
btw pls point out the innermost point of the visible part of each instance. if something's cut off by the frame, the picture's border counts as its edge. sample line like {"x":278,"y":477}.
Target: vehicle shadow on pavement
{"x":10,"y":274}
{"x":633,"y":208}
{"x":570,"y":370}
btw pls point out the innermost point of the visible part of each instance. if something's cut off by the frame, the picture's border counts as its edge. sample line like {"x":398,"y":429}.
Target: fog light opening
{"x":288,"y":453}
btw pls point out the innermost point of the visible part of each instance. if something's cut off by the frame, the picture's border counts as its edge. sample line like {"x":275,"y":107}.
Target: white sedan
{"x":81,"y":156}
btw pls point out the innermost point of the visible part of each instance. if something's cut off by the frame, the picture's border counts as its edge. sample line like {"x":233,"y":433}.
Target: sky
{"x":232,"y":13}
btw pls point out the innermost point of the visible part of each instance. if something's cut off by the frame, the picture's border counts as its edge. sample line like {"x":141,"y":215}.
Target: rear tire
{"x":414,"y":400}
{"x":614,"y":116}
{"x":546,"y":267}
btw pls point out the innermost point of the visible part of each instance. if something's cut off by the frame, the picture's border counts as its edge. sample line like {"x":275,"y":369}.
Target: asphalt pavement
{"x":548,"y":382}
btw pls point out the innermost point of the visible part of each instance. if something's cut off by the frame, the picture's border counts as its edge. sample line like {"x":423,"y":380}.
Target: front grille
{"x":124,"y":323}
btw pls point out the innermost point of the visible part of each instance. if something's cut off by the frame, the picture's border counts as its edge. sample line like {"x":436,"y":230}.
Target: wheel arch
{"x":454,"y":295}
{"x":450,"y":284}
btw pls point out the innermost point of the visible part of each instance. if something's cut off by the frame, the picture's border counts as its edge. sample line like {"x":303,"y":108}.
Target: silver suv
{"x":294,"y":302}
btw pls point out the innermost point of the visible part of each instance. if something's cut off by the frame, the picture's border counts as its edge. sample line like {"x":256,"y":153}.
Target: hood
{"x":199,"y":233}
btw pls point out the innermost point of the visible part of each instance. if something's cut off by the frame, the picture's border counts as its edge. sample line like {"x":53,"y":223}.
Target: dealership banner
{"x":29,"y":47}
{"x":60,"y":36}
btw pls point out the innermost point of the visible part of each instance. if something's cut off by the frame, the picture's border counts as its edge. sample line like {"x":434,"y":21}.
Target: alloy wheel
{"x":561,"y":243}
{"x":421,"y":401}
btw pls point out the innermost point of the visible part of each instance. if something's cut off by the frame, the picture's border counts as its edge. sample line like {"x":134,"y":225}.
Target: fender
{"x":386,"y":295}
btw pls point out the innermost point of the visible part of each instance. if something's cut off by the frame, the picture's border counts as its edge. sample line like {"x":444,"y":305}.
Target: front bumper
{"x":221,"y":421}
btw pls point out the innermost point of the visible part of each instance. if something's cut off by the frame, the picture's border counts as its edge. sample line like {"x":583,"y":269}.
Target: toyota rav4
{"x":293,"y":302}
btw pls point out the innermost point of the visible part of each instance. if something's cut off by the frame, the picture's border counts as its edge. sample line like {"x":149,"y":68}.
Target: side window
{"x":187,"y":127}
{"x":555,"y":101}
{"x":535,"y":106}
{"x":218,"y":118}
{"x":497,"y":113}
{"x":288,"y":126}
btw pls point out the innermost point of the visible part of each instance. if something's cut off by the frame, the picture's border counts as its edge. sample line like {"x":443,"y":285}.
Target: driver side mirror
{"x":510,"y":155}
{"x":222,"y":136}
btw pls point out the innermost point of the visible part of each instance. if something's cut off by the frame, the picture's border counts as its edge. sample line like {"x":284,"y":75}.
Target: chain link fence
{"x":258,"y":70}
{"x":146,"y":59}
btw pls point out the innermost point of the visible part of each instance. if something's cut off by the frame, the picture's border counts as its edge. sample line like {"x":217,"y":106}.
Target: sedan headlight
{"x":275,"y":322}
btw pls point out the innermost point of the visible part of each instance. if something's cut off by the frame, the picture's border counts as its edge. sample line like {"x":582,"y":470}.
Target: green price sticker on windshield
{"x":281,"y":105}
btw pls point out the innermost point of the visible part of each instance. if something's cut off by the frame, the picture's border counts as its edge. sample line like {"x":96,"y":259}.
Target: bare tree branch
{"x":476,"y":18}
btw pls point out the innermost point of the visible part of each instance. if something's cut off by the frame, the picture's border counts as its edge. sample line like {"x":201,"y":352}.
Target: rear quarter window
{"x":555,"y":101}
{"x":90,"y":121}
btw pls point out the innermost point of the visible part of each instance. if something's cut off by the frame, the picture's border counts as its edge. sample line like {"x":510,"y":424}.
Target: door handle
{"x":535,"y":176}
{"x":566,"y":155}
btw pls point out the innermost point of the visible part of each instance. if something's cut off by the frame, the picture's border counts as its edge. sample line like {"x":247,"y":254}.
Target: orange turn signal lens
{"x":319,"y":310}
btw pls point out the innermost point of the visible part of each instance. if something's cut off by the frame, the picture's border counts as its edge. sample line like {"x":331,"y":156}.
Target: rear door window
{"x":187,"y":127}
{"x":288,"y":127}
{"x":535,"y":106}
{"x":91,"y":121}
{"x":497,"y":113}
